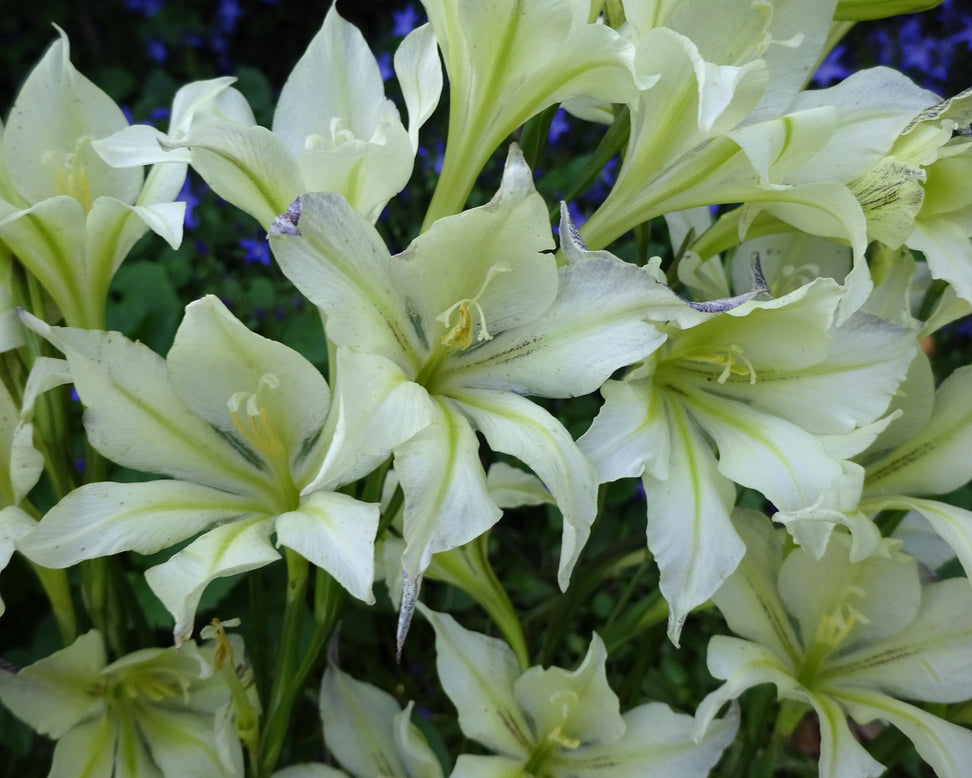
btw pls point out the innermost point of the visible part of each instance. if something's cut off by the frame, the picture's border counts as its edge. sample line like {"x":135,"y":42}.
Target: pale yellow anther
{"x":460,"y":335}
{"x":254,"y":424}
{"x":732,"y":358}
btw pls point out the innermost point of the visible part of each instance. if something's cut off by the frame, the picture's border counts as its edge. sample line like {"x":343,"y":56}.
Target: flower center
{"x":70,"y":175}
{"x":460,"y":335}
{"x":250,"y":417}
{"x":731,"y":358}
{"x":832,"y":630}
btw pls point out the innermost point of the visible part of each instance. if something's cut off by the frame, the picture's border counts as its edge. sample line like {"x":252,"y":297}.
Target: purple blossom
{"x":159,"y":115}
{"x":385,"y":65}
{"x":145,"y":7}
{"x":228,"y":12}
{"x":256,"y":250}
{"x":404,"y":21}
{"x":558,"y":126}
{"x":832,"y":69}
{"x":187,"y":196}
{"x":157,"y":50}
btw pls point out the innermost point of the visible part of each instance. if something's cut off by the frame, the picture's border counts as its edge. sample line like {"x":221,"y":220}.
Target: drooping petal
{"x":945,"y":746}
{"x":478,"y":674}
{"x":336,"y":533}
{"x":103,"y":518}
{"x":447,"y":503}
{"x":517,"y":426}
{"x":841,"y":755}
{"x":688,"y":529}
{"x":232,"y":548}
{"x":952,"y":523}
{"x":742,"y":665}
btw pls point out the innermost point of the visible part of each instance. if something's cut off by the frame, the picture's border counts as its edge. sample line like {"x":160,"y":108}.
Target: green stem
{"x":281,"y":698}
{"x":58,"y":591}
{"x":468,"y":569}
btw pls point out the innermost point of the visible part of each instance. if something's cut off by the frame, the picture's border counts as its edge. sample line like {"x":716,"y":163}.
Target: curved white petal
{"x":103,"y":518}
{"x":478,"y":674}
{"x":517,"y":426}
{"x":215,"y":356}
{"x":233,"y":548}
{"x":336,"y":533}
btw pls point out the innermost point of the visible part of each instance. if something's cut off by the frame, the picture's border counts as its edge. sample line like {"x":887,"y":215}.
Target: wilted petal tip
{"x":286,"y":223}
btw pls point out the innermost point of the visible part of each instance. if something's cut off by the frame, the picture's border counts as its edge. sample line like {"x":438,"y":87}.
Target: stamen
{"x":732,"y":358}
{"x":256,"y":426}
{"x":461,"y":334}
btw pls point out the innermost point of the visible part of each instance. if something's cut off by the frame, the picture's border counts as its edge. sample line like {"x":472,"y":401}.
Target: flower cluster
{"x":764,"y":380}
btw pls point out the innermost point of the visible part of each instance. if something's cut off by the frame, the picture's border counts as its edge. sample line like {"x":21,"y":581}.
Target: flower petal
{"x":656,"y":742}
{"x":337,"y":533}
{"x":924,"y":661}
{"x":232,"y":548}
{"x":250,"y":167}
{"x":478,"y":674}
{"x":214,"y":356}
{"x":134,"y":417}
{"x":578,"y":705}
{"x":521,"y":428}
{"x":420,"y":77}
{"x":54,"y":694}
{"x":933,"y":461}
{"x":688,"y":530}
{"x":596,"y":325}
{"x":103,"y":518}
{"x":46,"y":142}
{"x":334,"y":256}
{"x":447,"y":503}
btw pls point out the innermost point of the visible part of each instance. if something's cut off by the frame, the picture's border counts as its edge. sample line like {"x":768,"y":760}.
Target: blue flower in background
{"x":558,"y":126}
{"x":926,"y":54}
{"x":229,"y":12}
{"x":385,"y":65}
{"x":404,"y":21}
{"x":145,"y":7}
{"x":256,"y":250}
{"x":832,"y":69}
{"x":157,"y":50}
{"x":187,"y":196}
